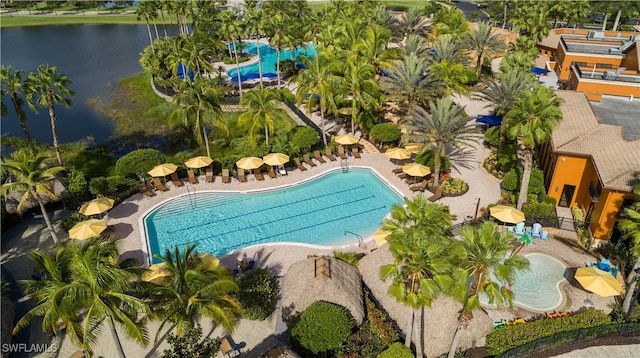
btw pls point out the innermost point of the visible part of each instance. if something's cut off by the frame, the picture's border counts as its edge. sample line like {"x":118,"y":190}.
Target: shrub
{"x":304,"y":137}
{"x":67,"y":223}
{"x":137,"y":163}
{"x":396,"y":350}
{"x":454,"y":186}
{"x":511,"y":181}
{"x":492,"y":136}
{"x":385,"y":133}
{"x":577,"y":213}
{"x":190,"y":345}
{"x":258,"y":292}
{"x":323,"y":326}
{"x":78,"y":189}
{"x":116,"y":187}
{"x":351,"y":258}
{"x":509,"y":337}
{"x":242,"y":147}
{"x":534,"y":208}
{"x":379,"y":324}
{"x":427,"y":157}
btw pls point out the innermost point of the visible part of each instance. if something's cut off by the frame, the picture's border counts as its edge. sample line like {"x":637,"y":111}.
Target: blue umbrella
{"x":539,"y":71}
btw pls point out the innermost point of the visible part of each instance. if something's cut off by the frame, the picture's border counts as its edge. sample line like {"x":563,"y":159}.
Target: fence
{"x":582,"y":334}
{"x":558,"y":222}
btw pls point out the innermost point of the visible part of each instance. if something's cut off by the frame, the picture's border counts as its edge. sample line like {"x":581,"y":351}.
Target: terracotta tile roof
{"x":616,"y":160}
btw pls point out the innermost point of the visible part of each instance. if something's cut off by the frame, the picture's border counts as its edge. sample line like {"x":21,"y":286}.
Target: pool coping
{"x":144,"y":240}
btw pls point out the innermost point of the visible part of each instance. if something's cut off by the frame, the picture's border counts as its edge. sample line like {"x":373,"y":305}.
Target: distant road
{"x":467,"y":7}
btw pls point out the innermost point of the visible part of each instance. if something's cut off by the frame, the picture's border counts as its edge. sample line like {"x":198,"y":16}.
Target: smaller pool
{"x":538,"y":289}
{"x":268,"y":57}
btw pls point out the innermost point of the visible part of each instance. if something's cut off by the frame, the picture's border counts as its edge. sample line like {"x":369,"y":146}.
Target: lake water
{"x":94,"y":57}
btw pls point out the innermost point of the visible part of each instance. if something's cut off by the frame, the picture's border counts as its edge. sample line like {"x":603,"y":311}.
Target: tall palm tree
{"x":33,"y":179}
{"x":453,"y":76}
{"x":359,"y":88}
{"x":199,"y":106}
{"x":485,"y":42}
{"x":45,"y":88}
{"x":487,"y":268}
{"x":422,"y":268}
{"x":255,"y":27}
{"x":630,"y":227}
{"x":534,"y":116}
{"x":264,"y":111}
{"x":146,"y":11}
{"x":194,"y":290}
{"x":407,"y":82}
{"x":231,"y":29}
{"x":12,"y":86}
{"x":413,"y":23}
{"x":373,"y":49}
{"x":531,"y":18}
{"x":446,"y":126}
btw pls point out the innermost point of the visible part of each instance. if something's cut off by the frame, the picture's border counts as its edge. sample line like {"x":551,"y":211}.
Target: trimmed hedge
{"x":322,"y":327}
{"x":385,"y":133}
{"x":509,"y":337}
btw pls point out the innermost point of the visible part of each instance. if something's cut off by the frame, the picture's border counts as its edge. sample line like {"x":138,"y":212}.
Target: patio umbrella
{"x":597,"y":281}
{"x":96,"y":206}
{"x":346,"y":139}
{"x":198,"y":162}
{"x":416,"y":170}
{"x":163,"y":170}
{"x":413,"y":147}
{"x":398,"y":153}
{"x":209,"y":260}
{"x":249,"y":163}
{"x":275,"y":159}
{"x":87,"y":229}
{"x":156,"y":273}
{"x":507,"y":214}
{"x":380,"y":236}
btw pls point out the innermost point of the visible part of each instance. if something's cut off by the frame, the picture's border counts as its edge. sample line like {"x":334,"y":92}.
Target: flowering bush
{"x":454,"y":186}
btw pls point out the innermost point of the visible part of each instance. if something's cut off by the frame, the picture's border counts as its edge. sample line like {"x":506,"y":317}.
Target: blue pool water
{"x":318,"y":212}
{"x":269,"y":57}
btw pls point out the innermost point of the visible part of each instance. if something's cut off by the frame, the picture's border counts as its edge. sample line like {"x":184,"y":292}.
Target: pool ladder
{"x":344,"y":163}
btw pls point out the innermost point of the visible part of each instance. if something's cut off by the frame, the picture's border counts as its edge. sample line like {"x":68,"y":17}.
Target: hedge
{"x":396,"y":350}
{"x":258,"y":291}
{"x":510,"y":337}
{"x":321,"y":327}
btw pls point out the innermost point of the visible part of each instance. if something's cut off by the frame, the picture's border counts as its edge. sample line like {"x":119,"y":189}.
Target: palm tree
{"x":199,"y":106}
{"x":374,"y":50}
{"x":359,"y":88}
{"x":12,"y":86}
{"x":630,"y":227}
{"x":418,"y":45}
{"x":518,"y":61}
{"x":487,"y":268}
{"x":33,"y":179}
{"x":407,"y":82}
{"x":255,"y":27}
{"x":448,"y":48}
{"x":45,"y":88}
{"x":264,"y":112}
{"x":194,"y":290}
{"x":485,"y":43}
{"x":531,"y":18}
{"x":413,"y":23}
{"x":231,"y":29}
{"x":534,"y":116}
{"x":421,"y":269}
{"x":446,"y":126}
{"x":450,"y":20}
{"x":146,"y":11}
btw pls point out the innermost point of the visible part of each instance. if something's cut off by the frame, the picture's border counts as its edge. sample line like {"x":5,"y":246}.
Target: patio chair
{"x":192,"y":178}
{"x":329,"y":155}
{"x":308,"y":161}
{"x":270,"y":172}
{"x":318,"y":156}
{"x":519,"y":230}
{"x":402,"y":175}
{"x":510,"y":229}
{"x":159,"y":185}
{"x":226,"y":178}
{"x":228,"y":347}
{"x":419,"y":187}
{"x":241,"y":177}
{"x":299,"y":165}
{"x":355,"y":152}
{"x":397,"y":170}
{"x":535,"y":232}
{"x":341,"y":152}
{"x":176,"y":181}
{"x":209,"y":175}
{"x":544,"y":235}
{"x":144,"y":190}
{"x":258,"y":174}
{"x":436,"y":196}
{"x":527,"y":231}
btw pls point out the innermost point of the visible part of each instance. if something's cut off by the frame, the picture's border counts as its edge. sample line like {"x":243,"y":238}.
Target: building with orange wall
{"x":590,"y":165}
{"x":595,"y":62}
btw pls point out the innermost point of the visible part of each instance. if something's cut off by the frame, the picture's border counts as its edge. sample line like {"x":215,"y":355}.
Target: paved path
{"x":625,"y":351}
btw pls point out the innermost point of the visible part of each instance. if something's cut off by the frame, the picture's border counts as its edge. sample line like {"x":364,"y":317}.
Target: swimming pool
{"x":539,"y":288}
{"x":268,"y":57}
{"x":332,"y":209}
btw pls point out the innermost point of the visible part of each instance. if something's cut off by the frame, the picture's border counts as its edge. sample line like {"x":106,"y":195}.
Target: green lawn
{"x":45,"y":20}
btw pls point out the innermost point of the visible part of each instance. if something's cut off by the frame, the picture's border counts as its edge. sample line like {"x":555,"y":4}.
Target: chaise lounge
{"x":270,"y":172}
{"x":176,"y":181}
{"x":226,"y":178}
{"x":308,"y":161}
{"x":329,"y":155}
{"x":258,"y":174}
{"x":316,"y":154}
{"x":192,"y":178}
{"x":299,"y":165}
{"x":419,"y":187}
{"x":158,"y":184}
{"x":209,"y":175}
{"x":144,"y":190}
{"x":241,"y":177}
{"x":355,"y":152}
{"x":341,"y":152}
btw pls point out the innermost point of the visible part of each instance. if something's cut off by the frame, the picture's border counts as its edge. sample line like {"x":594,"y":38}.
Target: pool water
{"x":538,"y":289}
{"x":268,"y":57}
{"x":330,"y":210}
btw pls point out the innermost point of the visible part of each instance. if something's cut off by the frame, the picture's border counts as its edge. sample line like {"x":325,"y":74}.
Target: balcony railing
{"x":602,"y":74}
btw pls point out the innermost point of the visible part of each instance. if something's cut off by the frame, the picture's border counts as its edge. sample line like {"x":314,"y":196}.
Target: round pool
{"x":336,"y":208}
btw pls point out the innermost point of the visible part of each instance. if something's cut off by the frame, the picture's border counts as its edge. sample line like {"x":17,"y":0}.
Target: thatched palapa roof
{"x":322,"y":279}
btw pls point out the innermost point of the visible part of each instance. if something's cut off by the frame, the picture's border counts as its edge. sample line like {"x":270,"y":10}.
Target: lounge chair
{"x":397,"y":170}
{"x":144,"y":190}
{"x":308,"y":161}
{"x":318,"y":156}
{"x":519,"y":230}
{"x":192,"y":178}
{"x":419,"y":187}
{"x":412,"y":181}
{"x":241,"y":177}
{"x":436,"y":196}
{"x":329,"y":155}
{"x":226,"y":178}
{"x":209,"y":176}
{"x":258,"y":174}
{"x":175,"y":180}
{"x":228,"y":347}
{"x":270,"y":172}
{"x":403,"y":175}
{"x":159,"y":185}
{"x":341,"y":152}
{"x":355,"y":152}
{"x":299,"y":165}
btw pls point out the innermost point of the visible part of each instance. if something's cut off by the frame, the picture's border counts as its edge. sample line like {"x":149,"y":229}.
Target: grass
{"x":48,"y":20}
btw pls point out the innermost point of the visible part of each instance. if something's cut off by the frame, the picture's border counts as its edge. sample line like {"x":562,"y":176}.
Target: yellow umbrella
{"x":416,"y":170}
{"x":413,"y":147}
{"x":96,"y":206}
{"x":198,"y":162}
{"x":398,"y":153}
{"x":156,"y":273}
{"x":346,"y":139}
{"x":163,"y":170}
{"x":87,"y":229}
{"x":249,"y":163}
{"x":209,"y":260}
{"x":275,"y":159}
{"x":597,"y":281}
{"x":380,"y":236}
{"x":507,"y":214}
